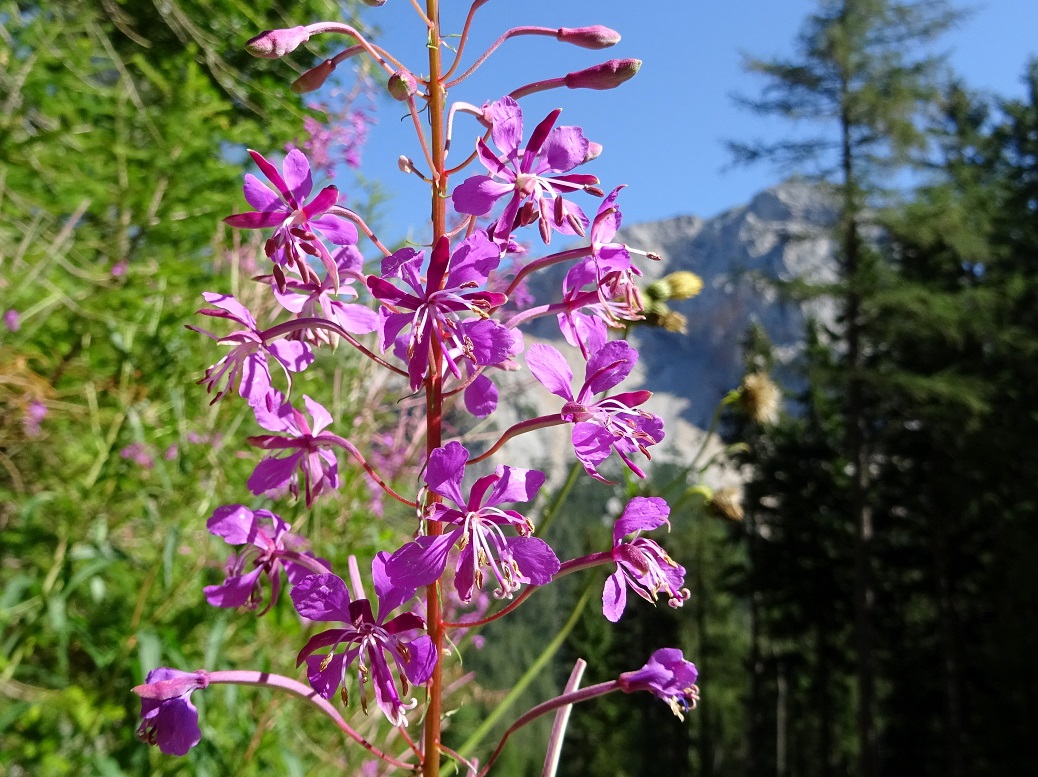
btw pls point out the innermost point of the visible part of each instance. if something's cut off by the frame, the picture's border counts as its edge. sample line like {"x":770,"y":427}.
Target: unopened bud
{"x":405,"y":164}
{"x":402,"y":85}
{"x":314,"y":78}
{"x":596,"y":37}
{"x":760,"y":398}
{"x":273,"y":44}
{"x":594,"y":150}
{"x":608,"y":75}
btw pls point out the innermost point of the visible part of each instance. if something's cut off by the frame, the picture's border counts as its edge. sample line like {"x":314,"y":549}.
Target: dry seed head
{"x":760,"y":398}
{"x":726,"y":503}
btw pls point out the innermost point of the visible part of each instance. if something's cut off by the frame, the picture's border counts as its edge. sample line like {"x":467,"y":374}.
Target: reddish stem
{"x":298,"y":324}
{"x":542,"y":709}
{"x":574,"y":565}
{"x":540,"y":422}
{"x":268,"y":680}
{"x":351,"y":449}
{"x":434,"y":381}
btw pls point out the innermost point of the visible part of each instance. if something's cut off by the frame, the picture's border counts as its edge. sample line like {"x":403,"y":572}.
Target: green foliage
{"x":945,"y":381}
{"x":122,"y":136}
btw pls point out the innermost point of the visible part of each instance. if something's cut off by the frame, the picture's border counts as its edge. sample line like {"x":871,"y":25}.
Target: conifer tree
{"x":860,"y":78}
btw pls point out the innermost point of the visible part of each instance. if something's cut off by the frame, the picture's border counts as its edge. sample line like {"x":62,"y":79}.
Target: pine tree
{"x":859,"y":79}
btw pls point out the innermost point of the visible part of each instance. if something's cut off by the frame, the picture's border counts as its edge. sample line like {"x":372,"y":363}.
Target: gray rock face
{"x":782,"y":234}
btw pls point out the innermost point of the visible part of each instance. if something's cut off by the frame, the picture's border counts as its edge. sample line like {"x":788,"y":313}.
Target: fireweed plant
{"x":445,"y":319}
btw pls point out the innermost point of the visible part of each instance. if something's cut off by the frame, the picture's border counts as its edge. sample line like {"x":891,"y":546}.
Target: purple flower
{"x":246,"y":362}
{"x":609,"y":273}
{"x":267,"y":538}
{"x":524,"y":174}
{"x":609,"y":268}
{"x":12,"y":320}
{"x":344,"y":128}
{"x":611,"y":423}
{"x":587,"y":331}
{"x":168,"y":718}
{"x":370,"y":640}
{"x":667,"y":676}
{"x":476,"y":526}
{"x":642,"y":564}
{"x":315,"y":298}
{"x":137,"y":452}
{"x":34,"y":415}
{"x":434,"y":309}
{"x":286,"y":208}
{"x":311,"y":456}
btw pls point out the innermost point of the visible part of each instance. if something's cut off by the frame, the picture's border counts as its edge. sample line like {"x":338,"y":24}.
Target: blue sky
{"x":663,"y":131}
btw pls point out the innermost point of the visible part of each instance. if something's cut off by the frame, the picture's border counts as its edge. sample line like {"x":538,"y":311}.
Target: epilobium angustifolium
{"x":443,"y":318}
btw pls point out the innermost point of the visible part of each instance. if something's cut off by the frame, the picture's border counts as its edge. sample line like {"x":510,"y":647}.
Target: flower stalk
{"x":440,"y":310}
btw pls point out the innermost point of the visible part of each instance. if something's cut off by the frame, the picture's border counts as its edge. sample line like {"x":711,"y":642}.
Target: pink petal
{"x":607,"y":367}
{"x":641,"y":514}
{"x":260,"y":196}
{"x":297,"y":175}
{"x":506,"y":120}
{"x":446,"y":470}
{"x":476,"y":196}
{"x":551,"y":369}
{"x":614,"y":597}
{"x":564,"y":148}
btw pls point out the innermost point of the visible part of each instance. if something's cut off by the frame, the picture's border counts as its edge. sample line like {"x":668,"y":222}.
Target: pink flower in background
{"x":317,"y":298}
{"x":139,"y":454}
{"x":337,"y":139}
{"x":12,"y":320}
{"x":34,"y":415}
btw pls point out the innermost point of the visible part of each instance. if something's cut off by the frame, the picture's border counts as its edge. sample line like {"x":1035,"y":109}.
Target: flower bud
{"x":273,"y":44}
{"x":596,"y":37}
{"x":402,"y":85}
{"x":594,"y":150}
{"x":607,"y":75}
{"x":314,"y":78}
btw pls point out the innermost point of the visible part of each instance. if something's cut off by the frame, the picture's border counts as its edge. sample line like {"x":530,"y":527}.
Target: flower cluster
{"x":442,"y":319}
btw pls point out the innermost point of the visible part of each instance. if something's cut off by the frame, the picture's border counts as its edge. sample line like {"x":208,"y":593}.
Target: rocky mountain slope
{"x":781,"y":235}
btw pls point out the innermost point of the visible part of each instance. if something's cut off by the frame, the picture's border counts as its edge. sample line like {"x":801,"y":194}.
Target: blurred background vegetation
{"x":122,"y":136}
